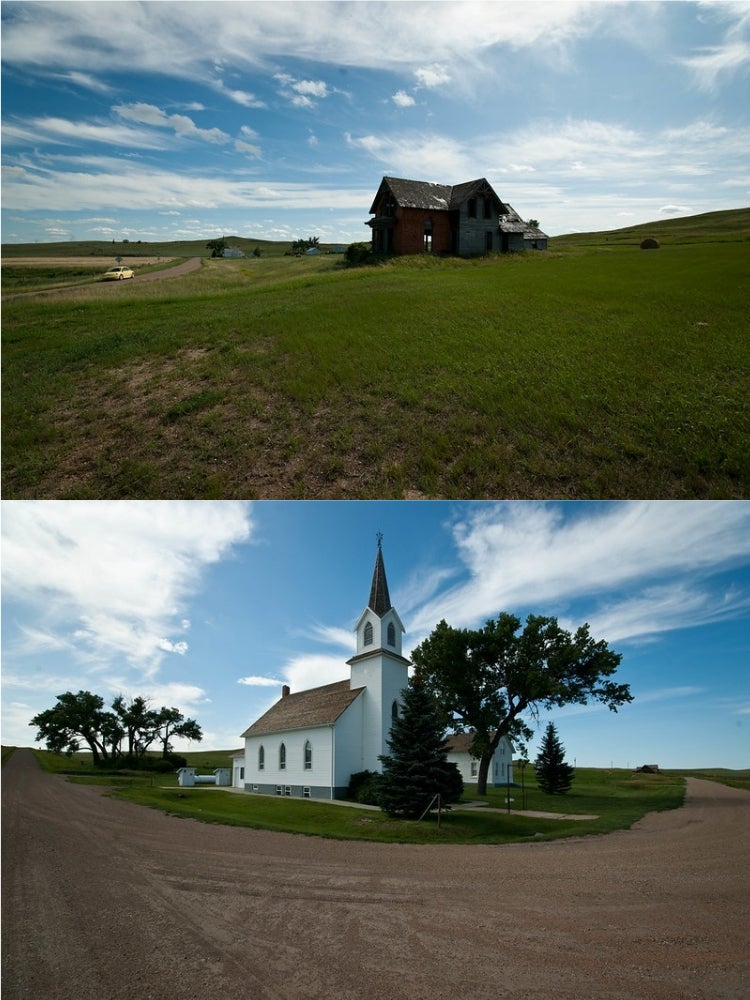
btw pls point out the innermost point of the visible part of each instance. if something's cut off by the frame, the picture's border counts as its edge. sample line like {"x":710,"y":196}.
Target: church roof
{"x":319,"y":706}
{"x":380,"y":599}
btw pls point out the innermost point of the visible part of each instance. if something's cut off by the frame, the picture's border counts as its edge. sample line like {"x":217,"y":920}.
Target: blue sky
{"x":212,"y":606}
{"x":183,"y":120}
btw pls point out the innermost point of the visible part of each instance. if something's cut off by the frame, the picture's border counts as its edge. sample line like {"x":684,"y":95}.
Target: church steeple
{"x":380,"y":600}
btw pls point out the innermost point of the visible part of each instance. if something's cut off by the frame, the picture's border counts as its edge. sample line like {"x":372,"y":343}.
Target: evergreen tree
{"x":417,"y":769}
{"x":553,"y":775}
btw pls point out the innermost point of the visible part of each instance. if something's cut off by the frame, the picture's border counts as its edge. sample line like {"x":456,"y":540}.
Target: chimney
{"x":285,"y":691}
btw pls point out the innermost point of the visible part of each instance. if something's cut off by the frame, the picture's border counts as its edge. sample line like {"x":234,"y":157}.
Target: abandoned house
{"x":414,"y":217}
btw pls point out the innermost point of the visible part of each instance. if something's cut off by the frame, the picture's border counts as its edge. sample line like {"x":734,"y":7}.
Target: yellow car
{"x":118,"y":273}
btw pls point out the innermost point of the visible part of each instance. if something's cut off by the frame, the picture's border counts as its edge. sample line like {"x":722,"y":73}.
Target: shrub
{"x":364,"y":787}
{"x":650,"y":244}
{"x":357,"y":253}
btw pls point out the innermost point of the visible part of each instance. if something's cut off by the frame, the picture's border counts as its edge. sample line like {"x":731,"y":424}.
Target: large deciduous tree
{"x":417,"y":768}
{"x":75,"y":718}
{"x":487,"y":680}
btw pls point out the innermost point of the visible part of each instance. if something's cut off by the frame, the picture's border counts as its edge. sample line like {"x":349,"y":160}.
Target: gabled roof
{"x":319,"y":706}
{"x":461,"y":742}
{"x":429,"y":196}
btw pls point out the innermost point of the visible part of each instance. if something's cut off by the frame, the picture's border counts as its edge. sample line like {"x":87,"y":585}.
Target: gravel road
{"x":104,"y":900}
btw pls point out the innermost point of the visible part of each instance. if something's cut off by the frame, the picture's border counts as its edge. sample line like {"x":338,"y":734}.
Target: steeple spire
{"x":380,"y":600}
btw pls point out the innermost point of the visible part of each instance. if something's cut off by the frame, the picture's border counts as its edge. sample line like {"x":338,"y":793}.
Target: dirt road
{"x":103,"y":900}
{"x":177,"y":271}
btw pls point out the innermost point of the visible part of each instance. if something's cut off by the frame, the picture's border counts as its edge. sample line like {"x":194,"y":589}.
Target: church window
{"x":394,"y":711}
{"x":368,"y":634}
{"x":282,"y":757}
{"x":261,"y":757}
{"x":308,"y":755}
{"x":473,"y":769}
{"x":391,"y":634}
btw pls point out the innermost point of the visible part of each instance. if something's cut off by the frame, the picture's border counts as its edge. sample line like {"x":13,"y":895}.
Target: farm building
{"x":501,"y":767}
{"x":414,"y":217}
{"x":309,"y":743}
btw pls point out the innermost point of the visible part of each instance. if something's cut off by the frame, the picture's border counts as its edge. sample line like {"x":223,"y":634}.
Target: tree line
{"x":119,"y":736}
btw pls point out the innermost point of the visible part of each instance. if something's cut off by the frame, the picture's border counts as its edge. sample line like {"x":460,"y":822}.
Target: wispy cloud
{"x":255,"y":681}
{"x":109,"y":580}
{"x":521,"y":555}
{"x":181,"y":125}
{"x":456,"y":34}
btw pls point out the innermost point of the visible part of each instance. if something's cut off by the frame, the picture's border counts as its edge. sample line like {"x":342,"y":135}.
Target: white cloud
{"x":432,"y":76}
{"x":403,"y":100}
{"x":99,"y":184}
{"x":521,"y":554}
{"x":110,"y":580}
{"x":254,"y":681}
{"x":313,"y":670}
{"x":75,"y":36}
{"x":62,"y":131}
{"x":181,"y":125}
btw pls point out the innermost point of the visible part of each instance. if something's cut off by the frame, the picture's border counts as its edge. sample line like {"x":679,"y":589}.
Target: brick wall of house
{"x":409,"y":231}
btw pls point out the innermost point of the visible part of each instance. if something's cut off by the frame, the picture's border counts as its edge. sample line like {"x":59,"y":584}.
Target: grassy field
{"x":618,"y":798}
{"x":594,"y":370}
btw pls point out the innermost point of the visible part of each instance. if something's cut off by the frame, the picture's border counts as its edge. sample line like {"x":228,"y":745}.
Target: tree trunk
{"x":484,"y":768}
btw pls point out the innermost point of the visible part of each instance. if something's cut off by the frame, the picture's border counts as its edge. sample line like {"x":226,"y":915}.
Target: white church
{"x":311,"y":742}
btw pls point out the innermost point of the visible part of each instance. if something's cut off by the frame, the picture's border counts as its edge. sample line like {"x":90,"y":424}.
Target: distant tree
{"x":217,"y":247}
{"x":139,"y":722}
{"x":77,"y":718}
{"x":533,"y":222}
{"x":485,"y":680}
{"x":256,"y":252}
{"x":123,"y":735}
{"x":553,"y":775}
{"x":417,"y":769}
{"x":300,"y":245}
{"x":170,"y":723}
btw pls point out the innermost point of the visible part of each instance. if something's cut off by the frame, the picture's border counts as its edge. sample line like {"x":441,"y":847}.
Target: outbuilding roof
{"x":319,"y":706}
{"x":460,"y":742}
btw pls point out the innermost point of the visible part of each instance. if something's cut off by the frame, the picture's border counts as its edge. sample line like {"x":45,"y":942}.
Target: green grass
{"x":596,"y":370}
{"x":617,"y":798}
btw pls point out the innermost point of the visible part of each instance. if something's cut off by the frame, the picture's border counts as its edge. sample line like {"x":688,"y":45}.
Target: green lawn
{"x":617,"y":798}
{"x":595,"y":370}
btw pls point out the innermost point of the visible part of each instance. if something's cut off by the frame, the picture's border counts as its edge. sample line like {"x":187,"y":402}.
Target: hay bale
{"x":650,"y":244}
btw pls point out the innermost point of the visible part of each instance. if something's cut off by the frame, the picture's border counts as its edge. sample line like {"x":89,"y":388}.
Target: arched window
{"x":394,"y":711}
{"x":282,"y":757}
{"x":368,"y":634}
{"x":308,"y":755}
{"x":261,"y":757}
{"x":391,"y":634}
